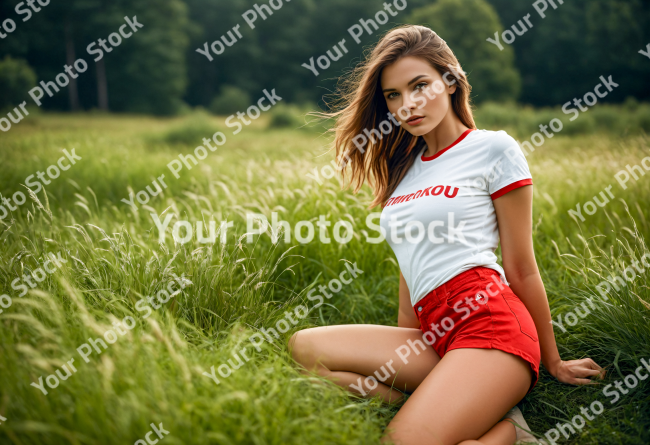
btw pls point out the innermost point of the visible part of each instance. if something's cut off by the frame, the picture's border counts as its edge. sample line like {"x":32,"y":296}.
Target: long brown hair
{"x":384,"y":161}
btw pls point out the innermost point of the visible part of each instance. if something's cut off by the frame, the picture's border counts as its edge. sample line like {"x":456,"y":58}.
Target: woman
{"x":468,"y":345}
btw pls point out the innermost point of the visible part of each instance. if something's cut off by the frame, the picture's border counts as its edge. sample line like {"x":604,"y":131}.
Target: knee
{"x":407,"y":431}
{"x":293,"y":345}
{"x":303,"y":347}
{"x":299,"y":347}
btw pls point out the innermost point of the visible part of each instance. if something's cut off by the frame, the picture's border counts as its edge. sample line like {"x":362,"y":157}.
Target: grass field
{"x":154,"y":372}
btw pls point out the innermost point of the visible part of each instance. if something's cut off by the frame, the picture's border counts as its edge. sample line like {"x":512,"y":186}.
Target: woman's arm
{"x":406,"y":317}
{"x":515,"y":219}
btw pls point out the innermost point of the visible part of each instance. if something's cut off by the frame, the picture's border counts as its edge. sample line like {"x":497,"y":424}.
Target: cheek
{"x":438,"y":106}
{"x":435,"y":109}
{"x":401,"y":114}
{"x":393,"y":105}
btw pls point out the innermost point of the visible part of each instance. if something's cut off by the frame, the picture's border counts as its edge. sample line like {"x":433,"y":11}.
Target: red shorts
{"x":476,"y":310}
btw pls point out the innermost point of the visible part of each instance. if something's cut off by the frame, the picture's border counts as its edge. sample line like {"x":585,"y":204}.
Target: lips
{"x":415,"y":120}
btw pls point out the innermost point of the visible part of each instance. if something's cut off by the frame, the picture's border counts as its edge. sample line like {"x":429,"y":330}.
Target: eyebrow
{"x":415,"y":79}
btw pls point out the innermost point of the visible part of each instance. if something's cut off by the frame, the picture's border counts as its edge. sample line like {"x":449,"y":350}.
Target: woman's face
{"x":416,"y":94}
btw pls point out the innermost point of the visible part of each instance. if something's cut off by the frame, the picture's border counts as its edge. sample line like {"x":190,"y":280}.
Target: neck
{"x":445,"y":134}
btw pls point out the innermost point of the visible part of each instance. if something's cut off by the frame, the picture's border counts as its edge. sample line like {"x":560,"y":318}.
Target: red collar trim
{"x":462,"y":136}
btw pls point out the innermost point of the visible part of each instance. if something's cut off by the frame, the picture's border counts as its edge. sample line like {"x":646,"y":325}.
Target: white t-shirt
{"x":440,"y":221}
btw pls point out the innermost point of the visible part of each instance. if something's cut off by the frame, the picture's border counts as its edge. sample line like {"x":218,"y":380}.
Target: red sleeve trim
{"x":511,"y":187}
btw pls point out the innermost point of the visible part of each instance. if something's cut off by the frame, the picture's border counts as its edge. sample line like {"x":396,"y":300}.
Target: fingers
{"x":588,"y":363}
{"x":583,"y":372}
{"x":593,"y":365}
{"x":590,"y":372}
{"x":581,"y":382}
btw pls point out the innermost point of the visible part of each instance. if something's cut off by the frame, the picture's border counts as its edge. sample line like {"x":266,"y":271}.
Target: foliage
{"x":287,"y":116}
{"x":560,"y":58}
{"x":564,"y":54}
{"x":152,"y":73}
{"x":146,"y":73}
{"x":230,"y":101}
{"x":16,"y":78}
{"x":523,"y":121}
{"x":491,"y":72}
{"x":190,"y":132}
{"x":155,"y":373}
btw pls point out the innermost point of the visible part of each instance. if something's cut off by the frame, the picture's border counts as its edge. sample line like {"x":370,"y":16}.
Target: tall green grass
{"x":154,"y":373}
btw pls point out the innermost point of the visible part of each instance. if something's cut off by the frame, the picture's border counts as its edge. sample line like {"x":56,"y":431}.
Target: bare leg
{"x":462,"y":399}
{"x":502,"y":433}
{"x":344,"y":354}
{"x":347,"y":354}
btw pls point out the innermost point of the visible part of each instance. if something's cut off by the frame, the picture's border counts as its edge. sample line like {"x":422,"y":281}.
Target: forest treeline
{"x":172,"y":61}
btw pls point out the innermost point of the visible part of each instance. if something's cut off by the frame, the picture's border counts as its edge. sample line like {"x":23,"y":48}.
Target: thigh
{"x":464,"y":396}
{"x":399,"y":354}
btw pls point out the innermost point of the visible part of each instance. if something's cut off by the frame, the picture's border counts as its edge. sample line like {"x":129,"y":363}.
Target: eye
{"x":421,"y":85}
{"x":390,"y":95}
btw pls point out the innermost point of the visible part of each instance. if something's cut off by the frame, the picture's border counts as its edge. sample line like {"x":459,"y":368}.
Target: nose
{"x":408,"y":103}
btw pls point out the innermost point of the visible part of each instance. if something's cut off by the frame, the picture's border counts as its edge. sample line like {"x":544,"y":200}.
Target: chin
{"x":419,"y":130}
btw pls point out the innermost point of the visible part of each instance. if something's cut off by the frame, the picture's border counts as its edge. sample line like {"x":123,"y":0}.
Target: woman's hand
{"x":578,"y":372}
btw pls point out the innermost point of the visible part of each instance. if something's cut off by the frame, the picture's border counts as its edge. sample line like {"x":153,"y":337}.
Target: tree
{"x":230,"y":101}
{"x":465,"y":25}
{"x":16,"y":78}
{"x":272,"y":54}
{"x":566,"y":52}
{"x":147,"y":73}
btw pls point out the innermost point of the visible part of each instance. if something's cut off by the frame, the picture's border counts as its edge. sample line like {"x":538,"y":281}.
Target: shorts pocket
{"x":469,"y":302}
{"x":465,"y":290}
{"x":518,"y":309}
